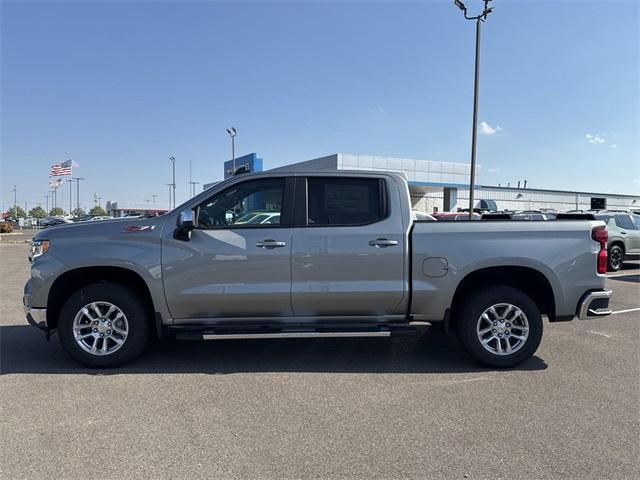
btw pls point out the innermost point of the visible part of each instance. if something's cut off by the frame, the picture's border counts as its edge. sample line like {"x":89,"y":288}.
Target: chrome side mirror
{"x":184,"y":225}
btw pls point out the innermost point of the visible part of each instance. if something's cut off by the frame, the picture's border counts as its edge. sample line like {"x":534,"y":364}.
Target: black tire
{"x":129,"y":304}
{"x":616,"y":258}
{"x":468,"y":316}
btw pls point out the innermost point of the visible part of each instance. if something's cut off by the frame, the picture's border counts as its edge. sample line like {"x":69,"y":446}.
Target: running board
{"x":237,"y":336}
{"x":209,"y":333}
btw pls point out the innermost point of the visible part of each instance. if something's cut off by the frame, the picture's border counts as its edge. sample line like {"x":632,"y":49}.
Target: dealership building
{"x":444,"y":186}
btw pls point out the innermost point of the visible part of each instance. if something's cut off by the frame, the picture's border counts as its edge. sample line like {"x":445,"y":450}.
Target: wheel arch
{"x":527,"y":279}
{"x":73,"y":280}
{"x":618,"y":243}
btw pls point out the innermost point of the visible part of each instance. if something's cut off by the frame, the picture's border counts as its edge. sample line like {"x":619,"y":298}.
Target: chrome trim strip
{"x":586,"y":301}
{"x":37,"y":314}
{"x":237,"y":336}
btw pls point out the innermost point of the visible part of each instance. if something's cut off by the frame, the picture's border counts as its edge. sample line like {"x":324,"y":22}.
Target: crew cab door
{"x":236,"y":262}
{"x":347,"y":256}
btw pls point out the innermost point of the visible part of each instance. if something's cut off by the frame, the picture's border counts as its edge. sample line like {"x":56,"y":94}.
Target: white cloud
{"x":596,"y":139}
{"x":375,"y":110}
{"x":487,"y":129}
{"x":615,"y":145}
{"x":493,"y":169}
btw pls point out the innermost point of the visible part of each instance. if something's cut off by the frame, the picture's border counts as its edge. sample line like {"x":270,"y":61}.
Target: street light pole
{"x":173,"y":184}
{"x":232,"y":133}
{"x":170,"y":186}
{"x":70,"y":197}
{"x":77,"y":179}
{"x":474,"y":133}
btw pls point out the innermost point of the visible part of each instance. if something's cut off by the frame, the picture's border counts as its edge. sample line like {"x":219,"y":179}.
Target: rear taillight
{"x":600,"y":235}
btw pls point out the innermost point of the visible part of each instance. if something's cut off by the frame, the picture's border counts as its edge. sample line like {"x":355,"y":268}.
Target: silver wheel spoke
{"x":508,"y":345}
{"x":118,"y":330}
{"x":507,"y":311}
{"x":87,"y":313}
{"x":485,"y":330}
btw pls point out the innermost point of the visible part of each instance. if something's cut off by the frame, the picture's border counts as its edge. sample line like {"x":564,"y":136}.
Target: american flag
{"x":61,"y":169}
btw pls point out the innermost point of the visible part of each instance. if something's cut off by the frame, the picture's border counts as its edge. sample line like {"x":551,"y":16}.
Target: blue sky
{"x":120,"y":86}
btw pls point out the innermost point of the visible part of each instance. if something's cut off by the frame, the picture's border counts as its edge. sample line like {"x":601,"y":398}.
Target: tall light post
{"x":47,"y":204}
{"x":77,"y":179}
{"x":474,"y":133}
{"x":170,"y":185}
{"x":232,"y":133}
{"x":173,"y":184}
{"x":70,"y":181}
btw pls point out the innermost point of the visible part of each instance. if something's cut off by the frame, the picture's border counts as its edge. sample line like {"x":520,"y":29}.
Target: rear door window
{"x":345,"y":201}
{"x":624,"y":221}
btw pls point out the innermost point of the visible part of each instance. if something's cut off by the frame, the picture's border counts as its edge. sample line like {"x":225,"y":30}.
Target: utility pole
{"x":15,"y":199}
{"x":474,"y":133}
{"x":100,"y":201}
{"x":232,"y":133}
{"x":173,"y":183}
{"x":47,"y":204}
{"x":70,"y":181}
{"x":77,"y":179}
{"x":154,"y":198}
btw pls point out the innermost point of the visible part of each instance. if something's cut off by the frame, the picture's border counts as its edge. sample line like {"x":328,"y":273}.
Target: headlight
{"x":38,"y":247}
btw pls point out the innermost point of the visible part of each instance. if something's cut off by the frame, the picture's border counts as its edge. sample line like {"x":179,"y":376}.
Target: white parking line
{"x":622,"y":274}
{"x":627,"y":310}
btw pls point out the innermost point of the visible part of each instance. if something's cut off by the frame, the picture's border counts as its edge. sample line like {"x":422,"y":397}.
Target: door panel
{"x":237,"y":263}
{"x":348,"y":270}
{"x":224,"y":273}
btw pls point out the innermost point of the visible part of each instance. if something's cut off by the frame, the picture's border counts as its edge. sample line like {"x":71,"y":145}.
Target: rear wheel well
{"x":70,"y":282}
{"x":617,"y":243}
{"x":528,"y":280}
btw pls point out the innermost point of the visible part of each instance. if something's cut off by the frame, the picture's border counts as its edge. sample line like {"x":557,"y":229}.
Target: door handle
{"x":270,"y":243}
{"x":623,"y":233}
{"x":382,"y":243}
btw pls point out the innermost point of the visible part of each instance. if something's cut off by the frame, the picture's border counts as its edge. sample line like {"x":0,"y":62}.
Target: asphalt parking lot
{"x":409,"y":407}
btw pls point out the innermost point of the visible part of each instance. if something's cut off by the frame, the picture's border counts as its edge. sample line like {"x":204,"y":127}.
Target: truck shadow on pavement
{"x":23,"y":349}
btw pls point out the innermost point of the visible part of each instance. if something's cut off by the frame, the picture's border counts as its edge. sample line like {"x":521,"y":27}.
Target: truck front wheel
{"x":103,"y":325}
{"x":499,"y":326}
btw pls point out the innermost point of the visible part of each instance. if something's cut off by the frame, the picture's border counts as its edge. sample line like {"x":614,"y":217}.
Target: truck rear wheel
{"x":103,"y":325}
{"x":499,"y":326}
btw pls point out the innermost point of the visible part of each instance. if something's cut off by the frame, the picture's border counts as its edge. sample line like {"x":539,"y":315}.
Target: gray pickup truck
{"x":290,"y":254}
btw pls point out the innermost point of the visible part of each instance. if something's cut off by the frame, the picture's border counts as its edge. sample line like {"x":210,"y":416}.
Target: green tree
{"x":97,"y":210}
{"x":16,"y":212}
{"x":78,"y":212}
{"x":37,"y":212}
{"x":56,"y":212}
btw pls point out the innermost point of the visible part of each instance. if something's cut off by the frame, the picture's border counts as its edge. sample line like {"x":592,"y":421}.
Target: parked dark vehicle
{"x":53,"y":221}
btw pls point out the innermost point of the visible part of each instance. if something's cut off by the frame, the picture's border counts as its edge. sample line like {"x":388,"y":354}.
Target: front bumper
{"x":35,"y":316}
{"x":594,"y":305}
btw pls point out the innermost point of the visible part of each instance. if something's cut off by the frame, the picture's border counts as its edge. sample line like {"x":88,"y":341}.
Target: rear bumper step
{"x":594,"y":304}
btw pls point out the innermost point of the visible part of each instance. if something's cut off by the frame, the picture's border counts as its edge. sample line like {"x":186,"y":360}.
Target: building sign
{"x":248,"y":163}
{"x":598,"y":203}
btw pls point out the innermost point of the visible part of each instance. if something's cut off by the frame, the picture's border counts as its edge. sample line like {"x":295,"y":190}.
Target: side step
{"x":221,"y":333}
{"x":236,"y":336}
